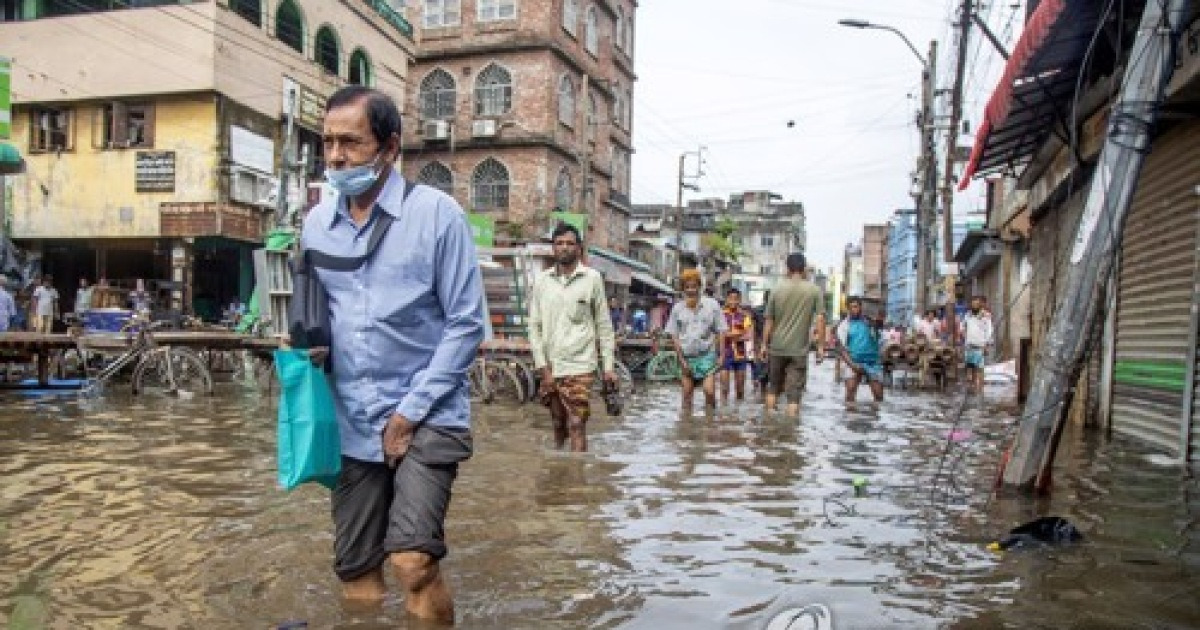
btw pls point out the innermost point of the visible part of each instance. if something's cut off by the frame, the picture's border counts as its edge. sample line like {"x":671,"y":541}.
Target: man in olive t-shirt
{"x":794,"y":305}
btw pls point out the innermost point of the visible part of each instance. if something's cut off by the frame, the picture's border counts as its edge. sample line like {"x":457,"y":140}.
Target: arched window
{"x":591,"y":30}
{"x":289,"y":25}
{"x":437,"y":175}
{"x":489,"y":186}
{"x":437,"y":95}
{"x":570,"y":16}
{"x":563,"y":190}
{"x":493,"y":91}
{"x":326,"y":50}
{"x":249,"y":10}
{"x":566,"y":101}
{"x":593,"y":117}
{"x":619,"y":29}
{"x":360,"y":68}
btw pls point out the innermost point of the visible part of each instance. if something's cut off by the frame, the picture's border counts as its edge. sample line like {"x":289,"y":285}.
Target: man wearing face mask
{"x":406,"y":326}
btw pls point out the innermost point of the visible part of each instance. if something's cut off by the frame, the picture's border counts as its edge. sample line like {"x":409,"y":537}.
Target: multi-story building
{"x":875,"y":258}
{"x":151,"y":133}
{"x":766,"y":230}
{"x":524,"y":109}
{"x":902,"y":268}
{"x":853,"y":274}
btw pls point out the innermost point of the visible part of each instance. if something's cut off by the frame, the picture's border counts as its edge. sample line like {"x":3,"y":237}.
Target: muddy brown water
{"x":128,"y":513}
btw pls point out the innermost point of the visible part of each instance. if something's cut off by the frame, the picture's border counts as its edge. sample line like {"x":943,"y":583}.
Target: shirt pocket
{"x":580,"y":311}
{"x":402,"y":292}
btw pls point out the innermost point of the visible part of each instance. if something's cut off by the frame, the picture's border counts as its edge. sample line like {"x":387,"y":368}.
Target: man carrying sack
{"x":568,"y":318}
{"x":404,"y":318}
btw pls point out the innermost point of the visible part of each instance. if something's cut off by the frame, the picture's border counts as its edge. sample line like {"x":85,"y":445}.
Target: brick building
{"x":521,"y":109}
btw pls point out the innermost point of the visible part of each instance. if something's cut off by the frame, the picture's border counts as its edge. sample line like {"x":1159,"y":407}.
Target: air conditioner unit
{"x":436,"y":130}
{"x":484,"y":128}
{"x":249,"y":187}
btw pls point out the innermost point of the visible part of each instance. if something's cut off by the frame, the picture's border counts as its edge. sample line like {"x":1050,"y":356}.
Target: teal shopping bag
{"x":309,"y":448}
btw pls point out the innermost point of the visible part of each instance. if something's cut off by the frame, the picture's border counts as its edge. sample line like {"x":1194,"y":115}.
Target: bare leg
{"x":877,"y":390}
{"x":851,"y":388}
{"x":559,"y":415}
{"x":689,"y":388}
{"x":426,"y":594}
{"x":723,"y":375}
{"x":739,"y":383}
{"x":577,"y":428}
{"x":710,"y":394}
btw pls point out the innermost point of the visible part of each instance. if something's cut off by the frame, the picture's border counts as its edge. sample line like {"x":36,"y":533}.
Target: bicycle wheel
{"x":504,"y":383}
{"x":68,"y":363}
{"x":172,"y":371}
{"x":524,"y":371}
{"x":663,"y":367}
{"x":480,"y":389}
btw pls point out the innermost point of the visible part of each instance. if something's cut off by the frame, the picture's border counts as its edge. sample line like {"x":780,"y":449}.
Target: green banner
{"x":580,"y":221}
{"x":484,"y":229}
{"x":5,"y":98}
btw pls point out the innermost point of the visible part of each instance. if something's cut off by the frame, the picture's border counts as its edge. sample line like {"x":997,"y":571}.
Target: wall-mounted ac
{"x":436,"y":130}
{"x":250,"y":187}
{"x":484,"y":128}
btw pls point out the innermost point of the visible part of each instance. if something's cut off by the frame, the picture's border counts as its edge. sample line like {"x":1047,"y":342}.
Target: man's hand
{"x":397,"y":437}
{"x":318,"y":355}
{"x":610,"y":379}
{"x":820,"y":355}
{"x":547,"y":385}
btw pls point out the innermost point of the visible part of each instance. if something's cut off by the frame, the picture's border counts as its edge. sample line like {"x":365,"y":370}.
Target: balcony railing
{"x":392,"y":16}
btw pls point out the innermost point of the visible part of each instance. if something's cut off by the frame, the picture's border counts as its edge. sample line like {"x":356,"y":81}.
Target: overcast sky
{"x":731,"y":76}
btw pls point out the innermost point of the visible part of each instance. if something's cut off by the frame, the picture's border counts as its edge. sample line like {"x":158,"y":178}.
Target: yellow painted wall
{"x":81,"y":193}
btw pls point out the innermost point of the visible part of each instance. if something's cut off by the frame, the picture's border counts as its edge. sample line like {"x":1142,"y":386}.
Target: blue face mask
{"x":354,"y":181}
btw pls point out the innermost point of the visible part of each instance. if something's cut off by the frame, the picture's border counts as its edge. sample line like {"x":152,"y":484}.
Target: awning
{"x":979,"y":250}
{"x":1037,"y":87}
{"x":636,"y":265}
{"x":652,"y":282}
{"x":11,"y":162}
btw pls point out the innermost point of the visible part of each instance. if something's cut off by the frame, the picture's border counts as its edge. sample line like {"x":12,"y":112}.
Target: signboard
{"x":310,"y":105}
{"x":155,"y":171}
{"x":251,"y":150}
{"x":5,"y":97}
{"x":484,"y":229}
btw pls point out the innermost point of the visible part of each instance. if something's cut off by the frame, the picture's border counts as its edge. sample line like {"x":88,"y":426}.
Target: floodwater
{"x":125,"y":513}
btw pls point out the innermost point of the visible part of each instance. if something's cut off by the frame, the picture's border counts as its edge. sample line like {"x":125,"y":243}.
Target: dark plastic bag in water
{"x":1043,"y":532}
{"x":309,"y":448}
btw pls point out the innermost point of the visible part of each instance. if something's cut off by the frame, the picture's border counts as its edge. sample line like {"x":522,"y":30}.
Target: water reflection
{"x":119,"y":513}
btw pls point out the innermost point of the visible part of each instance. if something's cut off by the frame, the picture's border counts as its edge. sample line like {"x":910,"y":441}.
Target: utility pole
{"x":680,"y":185}
{"x":286,"y":163}
{"x":1099,"y":234}
{"x":956,"y":111}
{"x":927,"y":163}
{"x":585,"y":153}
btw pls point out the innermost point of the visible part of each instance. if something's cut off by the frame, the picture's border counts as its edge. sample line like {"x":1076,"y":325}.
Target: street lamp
{"x":883,"y":27}
{"x":927,"y":200}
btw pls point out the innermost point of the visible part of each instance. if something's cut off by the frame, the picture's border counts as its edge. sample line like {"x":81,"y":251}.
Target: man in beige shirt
{"x":568,"y":319}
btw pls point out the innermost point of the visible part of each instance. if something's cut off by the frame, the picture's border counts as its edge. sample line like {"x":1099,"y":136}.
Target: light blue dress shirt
{"x":407,"y":323}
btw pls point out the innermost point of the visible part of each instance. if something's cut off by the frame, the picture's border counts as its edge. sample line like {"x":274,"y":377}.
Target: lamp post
{"x":926,"y":166}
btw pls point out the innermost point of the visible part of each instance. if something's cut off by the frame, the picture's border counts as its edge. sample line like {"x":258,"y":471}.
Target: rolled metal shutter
{"x":1156,"y":288}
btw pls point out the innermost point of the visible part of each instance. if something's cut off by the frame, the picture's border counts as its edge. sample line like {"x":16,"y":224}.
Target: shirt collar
{"x":389,"y":200}
{"x":579,"y":269}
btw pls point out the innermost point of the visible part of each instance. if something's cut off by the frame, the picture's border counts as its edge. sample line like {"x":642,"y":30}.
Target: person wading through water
{"x":568,"y":319}
{"x":787,"y":335}
{"x":696,"y":327}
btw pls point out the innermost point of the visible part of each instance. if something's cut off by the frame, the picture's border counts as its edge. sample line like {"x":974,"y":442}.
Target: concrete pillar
{"x":181,"y":274}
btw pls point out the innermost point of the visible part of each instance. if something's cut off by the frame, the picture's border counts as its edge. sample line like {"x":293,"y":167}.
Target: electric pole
{"x":680,"y":185}
{"x":956,"y":111}
{"x":286,"y":163}
{"x":927,"y":169}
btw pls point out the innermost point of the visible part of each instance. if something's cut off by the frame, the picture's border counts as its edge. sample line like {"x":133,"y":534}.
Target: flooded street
{"x":124,"y":513}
